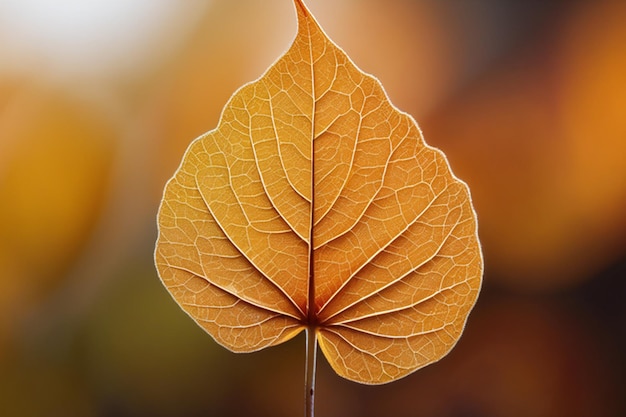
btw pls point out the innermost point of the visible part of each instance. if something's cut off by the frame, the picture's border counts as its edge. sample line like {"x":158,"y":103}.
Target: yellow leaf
{"x":315,"y":204}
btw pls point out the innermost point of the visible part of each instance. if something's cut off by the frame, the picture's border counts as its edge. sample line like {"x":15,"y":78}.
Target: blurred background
{"x":99,"y":100}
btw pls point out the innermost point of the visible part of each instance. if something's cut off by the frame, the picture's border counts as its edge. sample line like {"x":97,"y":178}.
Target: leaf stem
{"x":309,"y":376}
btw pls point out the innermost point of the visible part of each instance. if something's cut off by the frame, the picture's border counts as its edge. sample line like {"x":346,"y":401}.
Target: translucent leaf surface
{"x":316,"y":204}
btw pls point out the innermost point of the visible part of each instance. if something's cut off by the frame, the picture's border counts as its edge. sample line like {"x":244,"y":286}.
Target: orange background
{"x":527,"y":99}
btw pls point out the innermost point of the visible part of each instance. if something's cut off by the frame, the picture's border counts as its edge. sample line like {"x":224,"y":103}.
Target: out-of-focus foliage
{"x":526,"y":99}
{"x":52,"y":190}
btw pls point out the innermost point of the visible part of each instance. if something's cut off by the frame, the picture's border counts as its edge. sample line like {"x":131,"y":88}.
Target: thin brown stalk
{"x":309,"y":376}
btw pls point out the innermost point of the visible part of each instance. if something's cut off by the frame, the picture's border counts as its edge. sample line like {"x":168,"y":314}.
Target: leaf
{"x":315,"y":204}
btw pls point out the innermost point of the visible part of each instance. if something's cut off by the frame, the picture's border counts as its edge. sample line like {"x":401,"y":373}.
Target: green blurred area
{"x":527,"y":100}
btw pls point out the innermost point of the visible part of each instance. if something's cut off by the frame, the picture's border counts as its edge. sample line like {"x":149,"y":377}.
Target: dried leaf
{"x":316,"y":204}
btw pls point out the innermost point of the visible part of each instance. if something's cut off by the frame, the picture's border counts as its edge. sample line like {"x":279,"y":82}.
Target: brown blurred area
{"x":98,"y":103}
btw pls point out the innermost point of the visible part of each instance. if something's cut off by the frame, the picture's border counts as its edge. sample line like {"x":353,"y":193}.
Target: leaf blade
{"x":317,"y":204}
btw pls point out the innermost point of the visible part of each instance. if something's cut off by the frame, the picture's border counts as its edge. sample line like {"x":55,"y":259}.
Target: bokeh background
{"x":99,"y":100}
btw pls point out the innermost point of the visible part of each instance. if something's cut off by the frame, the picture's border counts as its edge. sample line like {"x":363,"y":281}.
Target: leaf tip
{"x":301,"y":10}
{"x":301,"y":7}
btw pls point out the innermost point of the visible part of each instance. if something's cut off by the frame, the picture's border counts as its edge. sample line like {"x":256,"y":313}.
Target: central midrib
{"x":311,"y":313}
